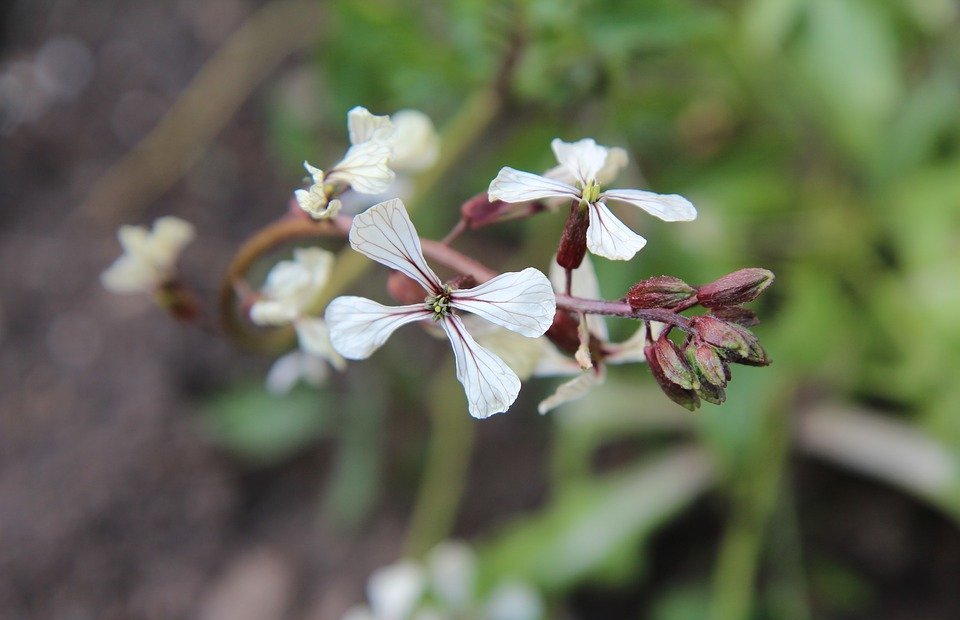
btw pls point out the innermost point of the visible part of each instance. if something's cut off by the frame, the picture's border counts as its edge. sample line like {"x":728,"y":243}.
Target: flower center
{"x":439,"y":304}
{"x":590,"y":192}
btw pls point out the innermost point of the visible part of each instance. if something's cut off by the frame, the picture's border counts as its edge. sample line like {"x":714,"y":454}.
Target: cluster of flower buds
{"x":700,"y":367}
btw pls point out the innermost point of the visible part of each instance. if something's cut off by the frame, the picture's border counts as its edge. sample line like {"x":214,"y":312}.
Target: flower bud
{"x":683,"y":397}
{"x":711,"y":393}
{"x":735,"y":288}
{"x":480,"y":211}
{"x":659,"y":292}
{"x":673,"y":364}
{"x":706,"y":363}
{"x":573,"y":241}
{"x":737,"y":314}
{"x":736,"y":343}
{"x":404,"y":289}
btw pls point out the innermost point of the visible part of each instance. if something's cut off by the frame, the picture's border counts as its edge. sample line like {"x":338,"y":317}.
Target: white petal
{"x":578,"y":387}
{"x":394,"y":591}
{"x":273,"y":312}
{"x":364,"y":126}
{"x":170,"y":236}
{"x":286,"y":279}
{"x":583,"y":159}
{"x":630,"y":350}
{"x":385,"y":233}
{"x":554,"y":363}
{"x":315,"y":173}
{"x":129,"y":274}
{"x":359,"y":326}
{"x":583,"y":283}
{"x":317,"y":261}
{"x":610,"y":238}
{"x":490,"y":385}
{"x":314,"y":338}
{"x":668,"y":207}
{"x":135,"y":241}
{"x":365,"y":168}
{"x":514,"y":601}
{"x":416,"y":144}
{"x":520,"y":353}
{"x":453,"y":574}
{"x":520,"y":301}
{"x":291,"y":368}
{"x":517,"y":186}
{"x":617,"y":159}
{"x":314,"y":202}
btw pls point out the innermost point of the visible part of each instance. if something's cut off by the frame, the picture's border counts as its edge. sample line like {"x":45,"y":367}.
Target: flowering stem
{"x":264,"y":241}
{"x":621,"y":308}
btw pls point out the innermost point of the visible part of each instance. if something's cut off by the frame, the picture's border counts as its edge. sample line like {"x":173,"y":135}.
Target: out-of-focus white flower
{"x":583,"y":168}
{"x":523,"y":302}
{"x":293,"y":367}
{"x":150,"y":257}
{"x":553,"y":363}
{"x":413,"y":142}
{"x":443,"y":590}
{"x":289,"y":289}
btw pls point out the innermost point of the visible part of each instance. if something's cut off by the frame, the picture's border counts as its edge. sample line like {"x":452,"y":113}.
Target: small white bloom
{"x":453,"y":574}
{"x":416,"y":144}
{"x":150,"y":257}
{"x":413,"y":142}
{"x":514,"y":601}
{"x":584,"y":167}
{"x":520,"y":301}
{"x":394,"y":591}
{"x":314,"y":200}
{"x":289,"y":289}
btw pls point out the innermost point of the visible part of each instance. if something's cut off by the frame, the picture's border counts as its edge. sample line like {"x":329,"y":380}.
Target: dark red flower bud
{"x":744,"y":317}
{"x":480,"y":211}
{"x":659,"y":292}
{"x":705,"y":361}
{"x":563,"y":332}
{"x":573,"y":241}
{"x":404,"y":289}
{"x":756,"y":355}
{"x":683,"y":397}
{"x":178,"y":300}
{"x":735,"y":288}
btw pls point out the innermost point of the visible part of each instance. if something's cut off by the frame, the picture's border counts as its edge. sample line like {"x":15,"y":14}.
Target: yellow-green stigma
{"x":439,"y":304}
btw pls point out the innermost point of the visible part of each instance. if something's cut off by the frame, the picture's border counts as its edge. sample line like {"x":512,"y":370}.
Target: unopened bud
{"x":735,"y":288}
{"x":736,"y":343}
{"x":480,"y":211}
{"x":178,"y":300}
{"x":744,"y":317}
{"x":674,"y":365}
{"x":659,"y":292}
{"x":404,"y":289}
{"x":711,"y":393}
{"x":706,"y":363}
{"x":573,"y":241}
{"x":684,"y":397}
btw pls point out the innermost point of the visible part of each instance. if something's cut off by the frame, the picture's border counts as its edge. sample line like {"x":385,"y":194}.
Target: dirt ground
{"x":113,"y":504}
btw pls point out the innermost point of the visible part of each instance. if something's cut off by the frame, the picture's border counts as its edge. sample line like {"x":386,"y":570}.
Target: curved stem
{"x":264,"y":241}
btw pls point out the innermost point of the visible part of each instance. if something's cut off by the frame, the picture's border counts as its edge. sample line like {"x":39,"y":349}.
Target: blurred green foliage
{"x":818,"y":138}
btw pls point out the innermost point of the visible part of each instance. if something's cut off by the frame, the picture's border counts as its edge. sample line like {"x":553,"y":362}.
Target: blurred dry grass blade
{"x":252,"y":53}
{"x":891,"y":451}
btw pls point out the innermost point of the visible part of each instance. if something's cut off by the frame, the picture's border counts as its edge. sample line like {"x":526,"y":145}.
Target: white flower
{"x":150,"y":257}
{"x":293,"y":367}
{"x":520,"y":301}
{"x":584,"y":166}
{"x":289,"y":289}
{"x":446,"y":589}
{"x":409,"y":134}
{"x":553,"y":363}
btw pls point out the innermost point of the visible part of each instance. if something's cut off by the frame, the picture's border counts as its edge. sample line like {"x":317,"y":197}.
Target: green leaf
{"x":262,"y":428}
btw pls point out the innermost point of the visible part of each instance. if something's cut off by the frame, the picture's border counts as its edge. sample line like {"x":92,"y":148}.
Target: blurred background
{"x":146,"y":473}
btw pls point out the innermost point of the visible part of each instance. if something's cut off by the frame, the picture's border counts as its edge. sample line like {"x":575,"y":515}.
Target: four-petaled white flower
{"x":290,"y":288}
{"x":523,"y":302}
{"x":150,"y":257}
{"x":583,"y":166}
